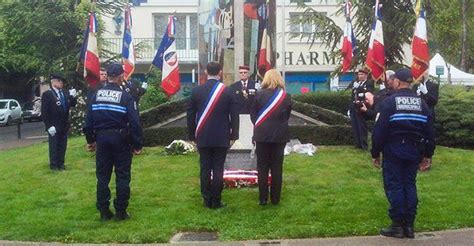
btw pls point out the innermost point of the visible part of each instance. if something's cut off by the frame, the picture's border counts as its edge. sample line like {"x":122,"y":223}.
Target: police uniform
{"x":358,"y":118}
{"x":271,"y":137}
{"x":404,"y":134}
{"x":55,"y":106}
{"x":134,"y":89}
{"x":113,"y":124}
{"x":213,"y":141}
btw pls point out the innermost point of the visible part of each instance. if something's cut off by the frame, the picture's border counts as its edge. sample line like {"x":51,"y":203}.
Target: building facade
{"x":304,"y":65}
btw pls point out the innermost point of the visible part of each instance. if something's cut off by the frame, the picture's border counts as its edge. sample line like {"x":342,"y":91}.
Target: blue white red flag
{"x":128,"y":50}
{"x":275,"y":101}
{"x":90,"y":53}
{"x":376,"y":52}
{"x":166,"y":59}
{"x":211,"y":103}
{"x":349,"y":40}
{"x":420,"y":49}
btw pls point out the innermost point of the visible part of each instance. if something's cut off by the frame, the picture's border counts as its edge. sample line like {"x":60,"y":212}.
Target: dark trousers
{"x":57,"y":150}
{"x":400,"y":165}
{"x":270,"y":158}
{"x":359,"y":128}
{"x":212,"y":159}
{"x":113,"y":151}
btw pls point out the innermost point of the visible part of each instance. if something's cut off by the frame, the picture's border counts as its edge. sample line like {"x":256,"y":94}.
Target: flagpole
{"x":283,"y":44}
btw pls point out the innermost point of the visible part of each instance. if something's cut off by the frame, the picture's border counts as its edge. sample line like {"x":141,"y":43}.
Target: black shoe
{"x":207,"y":203}
{"x":106,"y":214}
{"x":121,"y":215}
{"x":409,"y":231}
{"x":262,"y":203}
{"x":275,"y":202}
{"x":218,"y":205}
{"x":62,"y":168}
{"x":394,"y":230}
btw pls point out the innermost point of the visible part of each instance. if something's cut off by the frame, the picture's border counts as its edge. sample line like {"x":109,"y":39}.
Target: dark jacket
{"x":403,"y":116}
{"x":134,"y":88}
{"x":243,"y":98}
{"x":52,"y":111}
{"x":431,"y":98}
{"x":368,"y":85}
{"x":275,"y":128}
{"x":113,"y":109}
{"x":221,"y":126}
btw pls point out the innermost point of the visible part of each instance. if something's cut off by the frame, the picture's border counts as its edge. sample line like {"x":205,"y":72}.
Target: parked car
{"x":32,"y":110}
{"x":10,"y":111}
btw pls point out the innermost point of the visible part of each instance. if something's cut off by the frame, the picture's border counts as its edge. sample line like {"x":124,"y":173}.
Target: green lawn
{"x":335,"y":193}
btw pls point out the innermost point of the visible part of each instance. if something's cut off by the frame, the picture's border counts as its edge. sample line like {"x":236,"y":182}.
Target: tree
{"x":398,"y":25}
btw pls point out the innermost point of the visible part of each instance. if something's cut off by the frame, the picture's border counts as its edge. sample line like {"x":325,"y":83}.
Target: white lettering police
{"x":109,"y":96}
{"x":408,"y":103}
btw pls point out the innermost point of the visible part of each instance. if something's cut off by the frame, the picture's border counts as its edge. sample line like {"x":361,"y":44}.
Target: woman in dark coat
{"x":270,"y":112}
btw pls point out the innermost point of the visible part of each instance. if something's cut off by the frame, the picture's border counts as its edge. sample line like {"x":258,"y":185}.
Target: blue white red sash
{"x":274,"y":102}
{"x":214,"y":96}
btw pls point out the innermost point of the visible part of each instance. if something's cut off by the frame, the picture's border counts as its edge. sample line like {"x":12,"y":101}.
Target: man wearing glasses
{"x":244,"y":90}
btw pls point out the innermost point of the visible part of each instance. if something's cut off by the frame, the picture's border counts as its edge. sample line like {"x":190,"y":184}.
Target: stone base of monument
{"x":239,"y":153}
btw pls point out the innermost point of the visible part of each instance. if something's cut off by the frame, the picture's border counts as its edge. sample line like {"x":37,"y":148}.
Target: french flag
{"x":166,"y":59}
{"x":90,"y":53}
{"x":348,"y":41}
{"x":420,"y":50}
{"x":376,"y":53}
{"x":128,"y":51}
{"x":264,"y":62}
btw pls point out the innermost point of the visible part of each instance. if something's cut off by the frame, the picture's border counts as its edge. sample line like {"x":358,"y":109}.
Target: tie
{"x":244,"y":85}
{"x":61,"y":97}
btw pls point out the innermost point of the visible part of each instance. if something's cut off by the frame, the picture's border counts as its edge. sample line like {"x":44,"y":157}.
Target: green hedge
{"x":324,"y":115}
{"x":455,"y":117}
{"x":163,"y":112}
{"x":337,"y":101}
{"x":318,"y":135}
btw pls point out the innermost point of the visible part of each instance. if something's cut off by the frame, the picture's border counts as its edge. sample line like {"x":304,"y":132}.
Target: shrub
{"x":162,"y":112}
{"x":455,"y":117}
{"x":318,"y":135}
{"x":153,"y":97}
{"x":337,"y":101}
{"x":78,"y":114}
{"x":324,"y":115}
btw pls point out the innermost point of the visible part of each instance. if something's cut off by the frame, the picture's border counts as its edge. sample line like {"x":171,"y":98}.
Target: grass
{"x":335,"y":193}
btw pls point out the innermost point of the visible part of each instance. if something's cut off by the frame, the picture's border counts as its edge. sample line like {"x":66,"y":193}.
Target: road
{"x":31,"y":132}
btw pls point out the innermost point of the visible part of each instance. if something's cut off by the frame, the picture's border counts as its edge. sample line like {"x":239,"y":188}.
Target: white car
{"x":10,"y":111}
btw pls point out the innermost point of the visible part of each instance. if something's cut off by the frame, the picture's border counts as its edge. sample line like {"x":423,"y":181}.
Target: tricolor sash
{"x":214,"y":96}
{"x":270,"y":107}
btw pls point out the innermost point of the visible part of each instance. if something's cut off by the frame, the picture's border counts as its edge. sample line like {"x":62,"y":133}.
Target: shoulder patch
{"x":109,"y":96}
{"x":408,"y":103}
{"x":377,"y":117}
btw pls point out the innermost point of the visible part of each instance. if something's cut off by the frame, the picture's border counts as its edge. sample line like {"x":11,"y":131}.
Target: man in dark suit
{"x":358,"y":118}
{"x":244,"y":90}
{"x":213,"y":122}
{"x":428,"y":91}
{"x":55,"y":105}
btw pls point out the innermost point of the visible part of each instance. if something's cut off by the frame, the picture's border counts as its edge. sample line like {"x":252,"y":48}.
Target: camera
{"x":359,"y":100}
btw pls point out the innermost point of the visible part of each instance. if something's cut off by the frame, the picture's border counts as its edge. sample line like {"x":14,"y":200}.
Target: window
{"x":303,"y":28}
{"x":13,"y":104}
{"x":186,"y":30}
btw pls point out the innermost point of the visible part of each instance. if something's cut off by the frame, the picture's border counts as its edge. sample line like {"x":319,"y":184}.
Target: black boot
{"x":106,"y":214}
{"x":394,"y":230}
{"x":408,"y":229}
{"x":121,"y":215}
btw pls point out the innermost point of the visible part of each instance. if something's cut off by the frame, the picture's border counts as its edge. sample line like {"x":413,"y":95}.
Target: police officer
{"x":372,"y":101}
{"x":358,"y":117}
{"x":404,"y":133}
{"x":135,"y":90}
{"x":55,"y":105}
{"x":213,"y":122}
{"x":244,"y":90}
{"x":428,"y":91}
{"x":113,"y":130}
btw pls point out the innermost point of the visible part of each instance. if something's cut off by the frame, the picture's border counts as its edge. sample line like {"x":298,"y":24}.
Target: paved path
{"x":31,"y":132}
{"x":451,"y":238}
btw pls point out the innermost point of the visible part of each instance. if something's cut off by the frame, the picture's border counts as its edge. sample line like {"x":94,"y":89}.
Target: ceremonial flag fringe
{"x":348,"y":41}
{"x":166,"y":59}
{"x":420,"y":50}
{"x":128,"y":50}
{"x":90,"y":53}
{"x":376,"y":53}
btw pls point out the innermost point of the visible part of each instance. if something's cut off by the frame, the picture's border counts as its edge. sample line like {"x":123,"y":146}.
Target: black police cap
{"x":404,"y":74}
{"x":114,"y":70}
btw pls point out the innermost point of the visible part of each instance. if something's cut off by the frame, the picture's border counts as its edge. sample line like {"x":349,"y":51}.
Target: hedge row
{"x":324,"y":115}
{"x":318,"y":135}
{"x":337,"y":101}
{"x":162,"y":112}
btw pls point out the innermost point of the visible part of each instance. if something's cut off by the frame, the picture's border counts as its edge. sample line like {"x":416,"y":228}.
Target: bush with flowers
{"x":78,"y":114}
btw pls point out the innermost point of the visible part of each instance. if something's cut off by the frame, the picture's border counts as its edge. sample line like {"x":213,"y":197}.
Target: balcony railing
{"x":146,"y":48}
